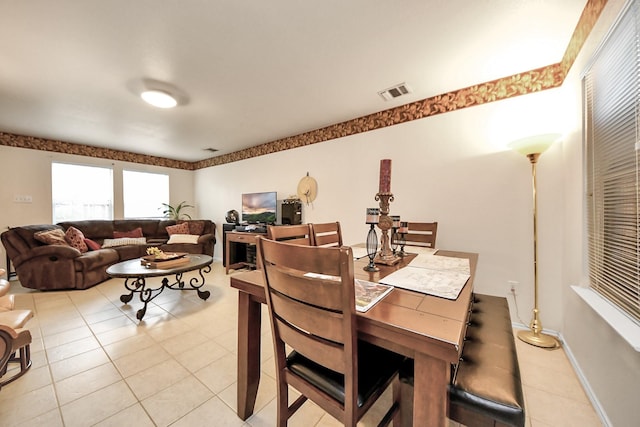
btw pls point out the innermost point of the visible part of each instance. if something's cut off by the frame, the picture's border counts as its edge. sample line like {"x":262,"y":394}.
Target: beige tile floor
{"x":94,"y":364}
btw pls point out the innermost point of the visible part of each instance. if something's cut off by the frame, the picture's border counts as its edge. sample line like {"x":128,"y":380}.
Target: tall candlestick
{"x":385,"y":176}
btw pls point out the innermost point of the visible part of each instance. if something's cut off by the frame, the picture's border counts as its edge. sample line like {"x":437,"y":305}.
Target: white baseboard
{"x":585,"y":384}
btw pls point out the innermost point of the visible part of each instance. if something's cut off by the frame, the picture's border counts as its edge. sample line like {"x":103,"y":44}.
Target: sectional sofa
{"x":80,"y":260}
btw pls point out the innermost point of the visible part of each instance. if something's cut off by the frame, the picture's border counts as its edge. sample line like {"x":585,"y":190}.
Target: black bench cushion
{"x":487,"y":379}
{"x":486,"y":383}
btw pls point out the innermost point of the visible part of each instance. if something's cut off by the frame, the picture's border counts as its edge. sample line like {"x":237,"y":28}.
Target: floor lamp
{"x":533,"y":147}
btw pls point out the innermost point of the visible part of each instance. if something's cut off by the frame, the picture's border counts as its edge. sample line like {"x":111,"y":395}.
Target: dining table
{"x":426,"y":328}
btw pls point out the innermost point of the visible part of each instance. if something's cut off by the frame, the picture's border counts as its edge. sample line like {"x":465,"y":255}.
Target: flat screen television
{"x":259,"y":208}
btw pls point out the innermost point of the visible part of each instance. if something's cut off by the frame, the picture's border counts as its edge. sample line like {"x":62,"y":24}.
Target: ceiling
{"x":251,"y":71}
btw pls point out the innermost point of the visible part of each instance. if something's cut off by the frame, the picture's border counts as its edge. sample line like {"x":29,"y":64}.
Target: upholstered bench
{"x":486,"y":388}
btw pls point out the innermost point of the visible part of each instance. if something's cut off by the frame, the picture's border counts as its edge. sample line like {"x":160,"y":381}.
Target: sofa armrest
{"x":206,"y":238}
{"x":56,"y":251}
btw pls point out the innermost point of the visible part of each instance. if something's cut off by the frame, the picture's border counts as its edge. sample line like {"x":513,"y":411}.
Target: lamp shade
{"x":537,"y":144}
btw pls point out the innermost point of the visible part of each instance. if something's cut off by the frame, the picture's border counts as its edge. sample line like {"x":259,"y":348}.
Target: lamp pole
{"x":533,"y":147}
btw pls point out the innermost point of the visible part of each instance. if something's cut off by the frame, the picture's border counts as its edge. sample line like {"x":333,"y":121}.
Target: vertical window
{"x":612,"y":104}
{"x":144,"y":193}
{"x":81,"y":192}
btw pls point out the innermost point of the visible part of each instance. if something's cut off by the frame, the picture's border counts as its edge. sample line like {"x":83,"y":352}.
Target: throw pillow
{"x":75,"y":239}
{"x":183,"y":238}
{"x":110,"y":243}
{"x":196,"y":227}
{"x":136,"y":232}
{"x":51,"y":237}
{"x":182,"y":228}
{"x":94,"y":246}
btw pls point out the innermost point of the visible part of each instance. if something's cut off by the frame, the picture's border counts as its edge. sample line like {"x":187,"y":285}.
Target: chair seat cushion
{"x":4,"y":286}
{"x":7,"y":302}
{"x":376,"y":366}
{"x":15,"y":319}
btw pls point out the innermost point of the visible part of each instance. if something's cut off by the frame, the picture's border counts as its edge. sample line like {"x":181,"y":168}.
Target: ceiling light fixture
{"x":159,"y":98}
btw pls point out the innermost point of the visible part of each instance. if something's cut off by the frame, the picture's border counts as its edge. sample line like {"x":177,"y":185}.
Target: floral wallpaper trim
{"x":43,"y":144}
{"x":548,"y":77}
{"x":588,"y":19}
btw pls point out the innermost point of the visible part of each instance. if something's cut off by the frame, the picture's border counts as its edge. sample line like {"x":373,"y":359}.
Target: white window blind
{"x":81,"y":192}
{"x":612,"y":104}
{"x":144,"y":193}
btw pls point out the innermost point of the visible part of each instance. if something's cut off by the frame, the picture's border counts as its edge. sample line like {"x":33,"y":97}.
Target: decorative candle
{"x":404,"y":227}
{"x":385,"y":176}
{"x":372,"y":215}
{"x":396,"y":221}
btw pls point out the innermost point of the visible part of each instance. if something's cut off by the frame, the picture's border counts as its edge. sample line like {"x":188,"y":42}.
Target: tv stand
{"x":252,"y":228}
{"x":248,"y":240}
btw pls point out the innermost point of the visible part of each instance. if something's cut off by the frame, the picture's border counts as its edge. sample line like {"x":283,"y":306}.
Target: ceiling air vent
{"x":395,"y":91}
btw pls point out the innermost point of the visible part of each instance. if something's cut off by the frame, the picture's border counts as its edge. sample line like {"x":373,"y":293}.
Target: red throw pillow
{"x":94,"y":246}
{"x":75,"y":239}
{"x":136,"y":232}
{"x":182,"y":228}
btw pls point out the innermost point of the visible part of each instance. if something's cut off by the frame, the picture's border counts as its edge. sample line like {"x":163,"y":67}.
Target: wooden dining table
{"x":426,"y":328}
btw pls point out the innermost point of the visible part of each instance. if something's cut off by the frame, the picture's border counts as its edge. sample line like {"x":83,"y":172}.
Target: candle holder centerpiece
{"x":385,"y":222}
{"x":394,"y":233}
{"x":402,"y":232}
{"x":373,"y":215}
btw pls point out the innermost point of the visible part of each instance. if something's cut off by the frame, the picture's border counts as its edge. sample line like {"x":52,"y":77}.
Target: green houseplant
{"x":176,"y":212}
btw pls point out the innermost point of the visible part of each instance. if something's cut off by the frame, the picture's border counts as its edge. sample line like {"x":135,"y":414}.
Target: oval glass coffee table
{"x":136,"y":275}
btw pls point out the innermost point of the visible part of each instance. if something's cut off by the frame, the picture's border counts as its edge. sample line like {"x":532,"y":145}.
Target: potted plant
{"x":176,"y":212}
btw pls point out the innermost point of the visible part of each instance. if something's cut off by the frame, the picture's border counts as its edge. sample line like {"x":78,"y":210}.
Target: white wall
{"x":28,"y":172}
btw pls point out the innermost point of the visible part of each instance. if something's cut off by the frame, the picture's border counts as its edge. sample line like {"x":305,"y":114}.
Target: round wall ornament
{"x":307,"y":189}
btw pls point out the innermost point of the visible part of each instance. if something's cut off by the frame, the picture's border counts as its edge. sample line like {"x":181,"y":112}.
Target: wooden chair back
{"x":327,"y":234}
{"x":314,"y":314}
{"x":421,"y":234}
{"x":292,"y":234}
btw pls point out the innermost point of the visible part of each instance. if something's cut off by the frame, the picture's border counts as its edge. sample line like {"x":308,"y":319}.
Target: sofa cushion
{"x":99,"y":259}
{"x":127,"y":252}
{"x":196,"y":227}
{"x":182,"y":228}
{"x":94,"y":229}
{"x":75,"y":239}
{"x":110,"y":243}
{"x":183,"y":238}
{"x":136,"y":232}
{"x":51,"y":237}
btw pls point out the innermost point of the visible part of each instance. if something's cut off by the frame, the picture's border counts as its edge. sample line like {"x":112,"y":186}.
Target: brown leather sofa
{"x":42,"y":266}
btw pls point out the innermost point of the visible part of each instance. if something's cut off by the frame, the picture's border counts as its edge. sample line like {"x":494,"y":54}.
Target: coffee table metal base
{"x":138,"y":285}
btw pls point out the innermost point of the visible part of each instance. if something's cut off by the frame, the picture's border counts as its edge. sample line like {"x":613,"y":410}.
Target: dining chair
{"x":310,"y":296}
{"x":327,"y":234}
{"x":420,"y":234}
{"x":292,"y":234}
